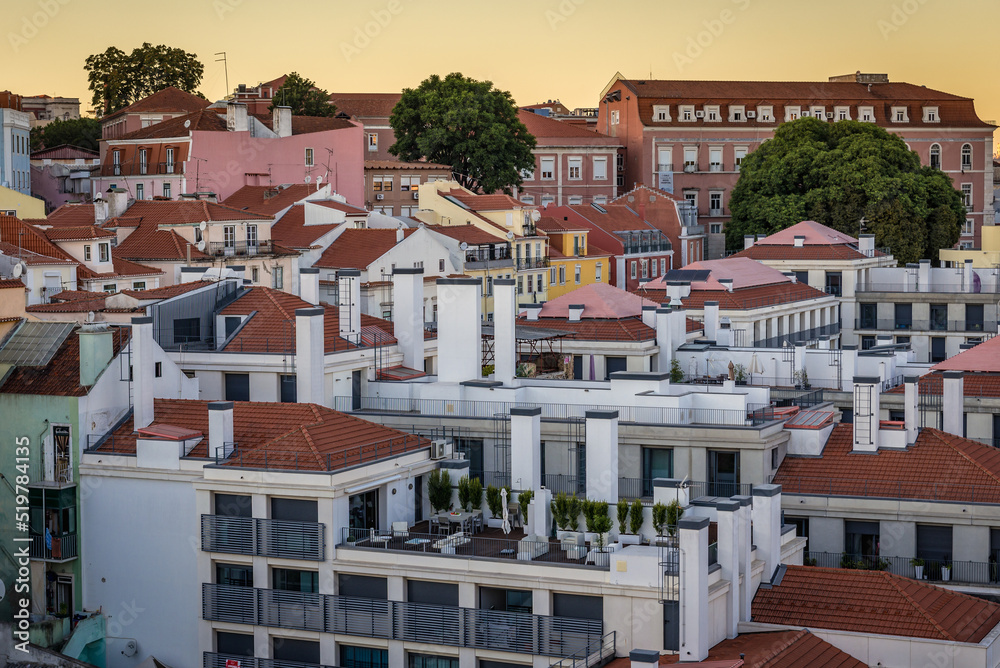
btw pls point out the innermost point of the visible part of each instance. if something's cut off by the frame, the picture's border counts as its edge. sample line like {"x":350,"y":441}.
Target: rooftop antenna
{"x":225,"y":65}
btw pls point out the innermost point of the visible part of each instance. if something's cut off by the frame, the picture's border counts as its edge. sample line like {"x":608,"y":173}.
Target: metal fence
{"x":492,"y":409}
{"x":215,"y":660}
{"x":594,"y":654}
{"x":965,"y":572}
{"x":890,"y":489}
{"x":263,"y":537}
{"x":891,"y":324}
{"x":984,"y":288}
{"x":63,"y":548}
{"x":396,"y":620}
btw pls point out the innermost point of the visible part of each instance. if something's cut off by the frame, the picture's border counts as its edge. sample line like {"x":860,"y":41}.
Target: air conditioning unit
{"x":751,"y":114}
{"x":379,"y":196}
{"x":699,"y":114}
{"x":439,"y":449}
{"x":805,"y":114}
{"x":829,"y":115}
{"x":416,"y":195}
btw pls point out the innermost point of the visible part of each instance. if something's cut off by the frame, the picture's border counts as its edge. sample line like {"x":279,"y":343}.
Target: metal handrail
{"x":591,"y":655}
{"x":966,"y":572}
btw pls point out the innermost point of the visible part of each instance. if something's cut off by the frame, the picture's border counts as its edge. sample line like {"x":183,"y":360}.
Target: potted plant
{"x":659,"y":521}
{"x":602,"y":527}
{"x":809,"y":561}
{"x":676,"y":373}
{"x":740,"y":374}
{"x":635,"y":520}
{"x":475,"y":494}
{"x":918,"y":566}
{"x":494,"y":501}
{"x":946,"y":570}
{"x":593,"y":511}
{"x":439,"y":490}
{"x":573,"y":510}
{"x":622,"y":509}
{"x":524,"y":498}
{"x":801,"y":379}
{"x":464,"y":499}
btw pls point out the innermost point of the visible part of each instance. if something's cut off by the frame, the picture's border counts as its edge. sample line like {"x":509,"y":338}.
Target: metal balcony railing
{"x":239,"y":248}
{"x":932,"y":325}
{"x":140,"y":169}
{"x":890,"y":489}
{"x":596,"y":654}
{"x":944,"y":288}
{"x":64,"y":548}
{"x":965,"y":572}
{"x":215,"y":660}
{"x":263,"y":537}
{"x":532,"y":263}
{"x":522,"y":633}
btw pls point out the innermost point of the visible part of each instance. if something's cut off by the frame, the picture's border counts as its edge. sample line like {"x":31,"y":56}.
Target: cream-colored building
{"x":14,"y":203}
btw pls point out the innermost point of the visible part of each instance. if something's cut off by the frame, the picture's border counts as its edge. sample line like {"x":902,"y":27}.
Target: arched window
{"x":966,"y":156}
{"x":936,"y":156}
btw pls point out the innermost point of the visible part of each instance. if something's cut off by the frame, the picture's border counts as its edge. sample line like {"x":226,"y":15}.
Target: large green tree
{"x":82,"y":132}
{"x":117,"y":79}
{"x":303,"y":97}
{"x":467,"y":124}
{"x":838,"y":174}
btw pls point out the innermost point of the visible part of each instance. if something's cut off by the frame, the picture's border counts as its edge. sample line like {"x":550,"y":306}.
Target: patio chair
{"x":400,"y":530}
{"x":434,"y":526}
{"x":514,"y":515}
{"x":478,"y":524}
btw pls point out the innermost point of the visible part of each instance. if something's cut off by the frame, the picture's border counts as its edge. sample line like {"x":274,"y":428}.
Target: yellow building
{"x":12,"y":303}
{"x":572,"y":262}
{"x":986,"y":257}
{"x":13,"y":203}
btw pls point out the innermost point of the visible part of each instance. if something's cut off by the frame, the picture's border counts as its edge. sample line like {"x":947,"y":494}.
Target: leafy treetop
{"x":303,"y":97}
{"x":117,"y":79}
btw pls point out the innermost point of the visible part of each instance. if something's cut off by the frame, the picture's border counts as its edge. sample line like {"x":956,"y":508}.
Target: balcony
{"x":63,"y":548}
{"x":214,"y":660}
{"x":690,"y":167}
{"x":933,"y":325}
{"x":937,"y":288}
{"x":263,"y":538}
{"x":140,"y":169}
{"x":532,"y":263}
{"x":965,"y":572}
{"x":239,"y":248}
{"x":522,"y":633}
{"x":715,"y":167}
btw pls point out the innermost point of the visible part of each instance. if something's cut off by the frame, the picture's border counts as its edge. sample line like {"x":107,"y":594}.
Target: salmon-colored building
{"x":689,"y":137}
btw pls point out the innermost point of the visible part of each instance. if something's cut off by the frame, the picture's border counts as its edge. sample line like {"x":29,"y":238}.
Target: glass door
{"x":656,"y":463}
{"x":723,"y":473}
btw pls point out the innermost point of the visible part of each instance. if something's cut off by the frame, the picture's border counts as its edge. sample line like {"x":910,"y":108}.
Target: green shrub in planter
{"x":476,"y":493}
{"x":464,"y":499}
{"x":523,"y":499}
{"x":494,"y":502}
{"x":622,"y":516}
{"x":635,"y":517}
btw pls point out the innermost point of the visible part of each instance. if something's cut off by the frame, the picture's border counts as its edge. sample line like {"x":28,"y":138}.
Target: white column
{"x":728,"y":546}
{"x":666,"y":490}
{"x":678,"y":334}
{"x":745,"y":593}
{"x":460,"y":328}
{"x":649,"y":316}
{"x":910,"y":407}
{"x":953,"y":403}
{"x":309,"y":285}
{"x":525,"y":448}
{"x":408,"y":314}
{"x":694,"y":588}
{"x":309,"y":362}
{"x":664,"y":339}
{"x":967,"y":275}
{"x":800,"y":355}
{"x":711,"y":320}
{"x":602,"y":455}
{"x":767,"y":527}
{"x":504,"y":336}
{"x":142,"y":371}
{"x":924,"y":276}
{"x":541,"y":513}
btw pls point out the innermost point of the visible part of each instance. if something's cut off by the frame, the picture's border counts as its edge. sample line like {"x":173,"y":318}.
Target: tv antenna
{"x":225,"y":65}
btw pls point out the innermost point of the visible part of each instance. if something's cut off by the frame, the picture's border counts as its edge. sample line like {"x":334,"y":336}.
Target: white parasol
{"x":755,"y":365}
{"x":506,"y":514}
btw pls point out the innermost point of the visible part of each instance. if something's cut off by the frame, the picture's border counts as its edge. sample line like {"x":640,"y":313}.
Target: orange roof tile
{"x":399,"y":164}
{"x":167,"y":99}
{"x":773,"y":649}
{"x":122,"y":267}
{"x":205,"y":120}
{"x":984,"y":357}
{"x":545,"y":128}
{"x":470,"y":234}
{"x":366,"y":105}
{"x":21,"y":235}
{"x":745,"y":299}
{"x":30,"y":258}
{"x":358,"y":248}
{"x":77,"y":233}
{"x":495,"y":202}
{"x":76,"y":295}
{"x":302,"y":125}
{"x":61,"y":376}
{"x":873,"y":602}
{"x":596,"y":329}
{"x":71,"y":306}
{"x":268,"y":199}
{"x":938,"y":467}
{"x":166,"y":292}
{"x":973,"y":385}
{"x":70,"y":215}
{"x":12,"y":283}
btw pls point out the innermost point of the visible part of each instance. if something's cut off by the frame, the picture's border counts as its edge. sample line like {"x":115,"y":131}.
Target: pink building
{"x":221,"y":149}
{"x":62,"y":174}
{"x":689,"y":137}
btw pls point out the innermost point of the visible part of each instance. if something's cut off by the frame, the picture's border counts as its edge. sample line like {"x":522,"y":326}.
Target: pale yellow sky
{"x":540,"y":49}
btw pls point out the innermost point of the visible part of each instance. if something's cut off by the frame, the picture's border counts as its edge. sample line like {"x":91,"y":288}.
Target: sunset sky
{"x":537,"y":49}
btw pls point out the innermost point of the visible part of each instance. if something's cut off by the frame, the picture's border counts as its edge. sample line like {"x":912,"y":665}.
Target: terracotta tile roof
{"x":268,"y":200}
{"x":168,"y":99}
{"x":358,"y":248}
{"x":288,"y":435}
{"x":303,"y":125}
{"x":555,"y":225}
{"x":873,"y":602}
{"x":939,"y":467}
{"x":366,"y":105}
{"x":545,"y":128}
{"x":272,"y":328}
{"x":596,"y":329}
{"x":973,"y":385}
{"x":71,"y":306}
{"x":614,"y":218}
{"x":599,"y":300}
{"x":76,"y":295}
{"x":166,"y":292}
{"x":954,"y":111}
{"x":470,"y":234}
{"x":71,"y":215}
{"x":775,"y":649}
{"x":65,"y":152}
{"x":495,"y":202}
{"x":399,"y":164}
{"x":693,"y":325}
{"x":61,"y":376}
{"x":205,"y":120}
{"x":19,"y":234}
{"x":73,"y":233}
{"x":984,"y":357}
{"x":804,"y":253}
{"x":737,"y":300}
{"x":30,"y":258}
{"x":291,"y":230}
{"x":122,"y":267}
{"x":12,"y":283}
{"x":177,"y":212}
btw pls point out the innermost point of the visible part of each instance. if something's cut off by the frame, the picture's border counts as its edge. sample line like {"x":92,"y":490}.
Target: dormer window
{"x":818,"y":112}
{"x":842,"y":113}
{"x":687,"y":112}
{"x":712,"y":113}
{"x":899,"y":115}
{"x":866,"y":114}
{"x":737,"y":113}
{"x":765,"y":113}
{"x":105,"y":252}
{"x":661,"y":113}
{"x":792,"y":113}
{"x":931,"y":115}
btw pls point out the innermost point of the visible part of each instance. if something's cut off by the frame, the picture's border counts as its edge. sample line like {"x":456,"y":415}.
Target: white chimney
{"x":866,"y":244}
{"x":236,"y":117}
{"x":310,"y":365}
{"x":281,"y":121}
{"x":911,"y":397}
{"x":460,"y":329}
{"x":967,"y":275}
{"x":678,"y":290}
{"x":664,"y":339}
{"x":799,"y":240}
{"x":678,"y":324}
{"x":953,"y":403}
{"x":724,"y":337}
{"x":526,"y":447}
{"x":924,"y":276}
{"x":400,"y":235}
{"x":748,"y":240}
{"x":220,"y":428}
{"x":711,"y":320}
{"x":575,"y":312}
{"x":142,"y":347}
{"x":531,"y":310}
{"x":799,"y":356}
{"x":649,"y":315}
{"x":767,"y":527}
{"x":100,"y":211}
{"x":504,"y":338}
{"x":727,"y":283}
{"x":408,"y":314}
{"x":728,"y":513}
{"x":349,"y":304}
{"x":694,"y":587}
{"x":602,"y":455}
{"x":117,"y":202}
{"x":866,"y":413}
{"x":309,"y":285}
{"x":746,"y":591}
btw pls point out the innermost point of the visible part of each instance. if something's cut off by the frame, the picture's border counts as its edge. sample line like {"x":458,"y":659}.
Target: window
{"x":687,"y":112}
{"x":382,"y":183}
{"x":548,"y":168}
{"x":931,"y":115}
{"x":116,"y":160}
{"x":552,"y":276}
{"x":692,"y":198}
{"x":663,"y":265}
{"x":861,"y":539}
{"x":690,"y":158}
{"x":575,"y":168}
{"x":966,"y":156}
{"x":431,"y":661}
{"x":866,"y":114}
{"x":143,"y":163}
{"x":817,"y":112}
{"x":409,"y":183}
{"x":614,"y":117}
{"x":935,"y":156}
{"x":540,"y":282}
{"x":664,"y":159}
{"x":723,"y":473}
{"x":899,"y":115}
{"x":715,"y":203}
{"x":715,"y":159}
{"x":140,"y":191}
{"x":309,"y":157}
{"x":237,"y":384}
{"x":600,"y":199}
{"x":868,"y":315}
{"x":792,"y":113}
{"x":903,"y":340}
{"x":105,"y":252}
{"x":715,"y":228}
{"x":969,"y":227}
{"x":158,"y":370}
{"x":645,"y":268}
{"x":903,"y":316}
{"x":737,"y":113}
{"x":833,"y":280}
{"x":86,"y":253}
{"x":170,"y":161}
{"x":562,"y":274}
{"x":255,"y":274}
{"x":597,"y":272}
{"x":867,"y":342}
{"x":712,"y":113}
{"x":635,"y":269}
{"x":110,"y":287}
{"x":528,"y":199}
{"x":547,"y":199}
{"x":967,"y":196}
{"x":372,"y":141}
{"x":138,"y":285}
{"x":842,"y":113}
{"x":765,"y":113}
{"x":740,"y":152}
{"x":520,"y":285}
{"x":408,"y":211}
{"x":600,"y":169}
{"x":973,"y":317}
{"x":251,"y":238}
{"x":166,"y":189}
{"x":934,"y":546}
{"x":363,"y":657}
{"x":661,"y":112}
{"x":939,"y":317}
{"x":277,"y":278}
{"x":234,"y":575}
{"x":288,"y":651}
{"x":234,"y":644}
{"x":531,"y":284}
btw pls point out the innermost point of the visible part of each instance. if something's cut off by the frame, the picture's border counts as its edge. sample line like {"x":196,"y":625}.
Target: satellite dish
{"x":319,"y":179}
{"x":308,"y":179}
{"x":536,"y":215}
{"x":201,"y":245}
{"x":463,"y":246}
{"x":90,"y":316}
{"x":203,"y":225}
{"x":510,"y":235}
{"x":187,"y":123}
{"x":18,"y":270}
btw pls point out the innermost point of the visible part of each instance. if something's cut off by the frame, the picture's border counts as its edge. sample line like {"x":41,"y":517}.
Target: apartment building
{"x":689,"y":137}
{"x":61,"y":174}
{"x":15,"y":144}
{"x":162,"y":105}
